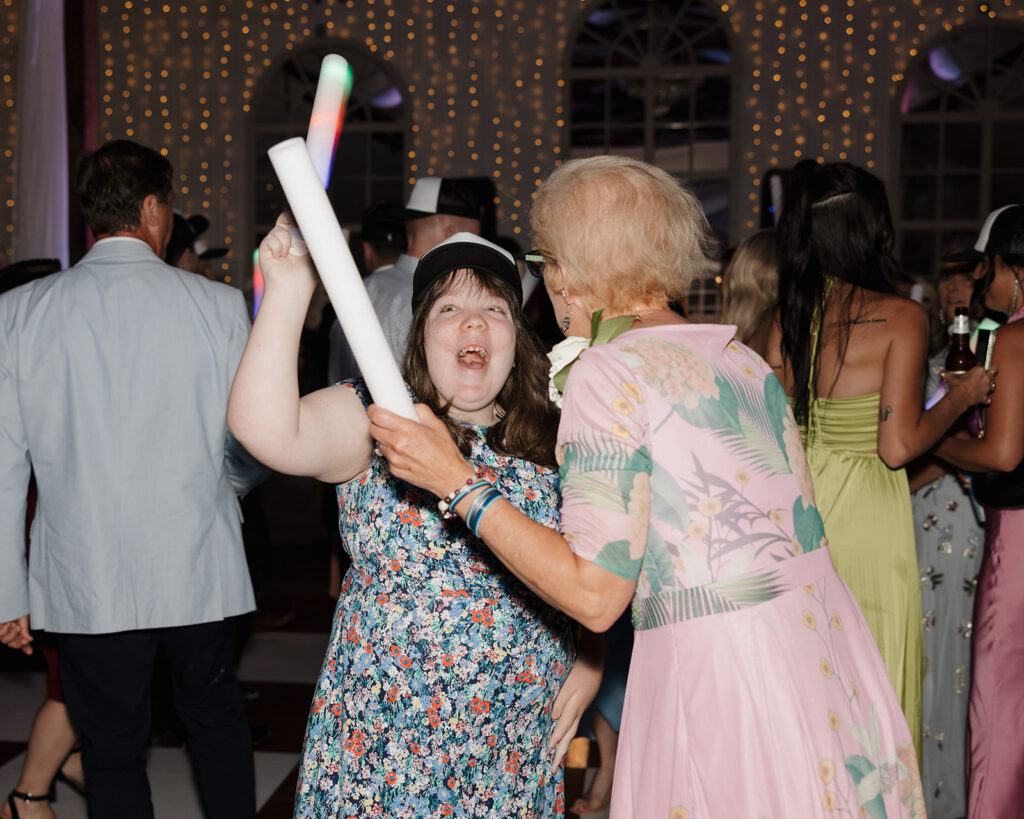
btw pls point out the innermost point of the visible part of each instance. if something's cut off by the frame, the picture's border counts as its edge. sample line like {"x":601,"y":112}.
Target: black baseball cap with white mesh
{"x":464,"y":250}
{"x":1002,"y":234}
{"x":434,"y":195}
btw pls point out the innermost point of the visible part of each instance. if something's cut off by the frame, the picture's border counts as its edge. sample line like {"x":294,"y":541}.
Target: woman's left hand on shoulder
{"x":423,"y":453}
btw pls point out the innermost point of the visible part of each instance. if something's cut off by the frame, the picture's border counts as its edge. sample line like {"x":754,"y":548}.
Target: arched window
{"x":369,"y":162}
{"x":652,"y":79}
{"x":961,"y":114}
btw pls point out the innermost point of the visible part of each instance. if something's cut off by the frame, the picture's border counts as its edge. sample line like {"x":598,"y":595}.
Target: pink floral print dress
{"x":755,"y":687}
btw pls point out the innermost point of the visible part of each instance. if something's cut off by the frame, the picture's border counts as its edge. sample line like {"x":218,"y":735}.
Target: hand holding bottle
{"x":967,"y":389}
{"x":967,"y":384}
{"x":960,"y":358}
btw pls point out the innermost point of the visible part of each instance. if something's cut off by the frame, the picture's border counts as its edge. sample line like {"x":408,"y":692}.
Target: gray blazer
{"x":114,"y":379}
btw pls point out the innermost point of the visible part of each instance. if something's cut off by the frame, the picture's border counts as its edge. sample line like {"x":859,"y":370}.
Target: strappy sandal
{"x":77,"y":786}
{"x":28,"y":797}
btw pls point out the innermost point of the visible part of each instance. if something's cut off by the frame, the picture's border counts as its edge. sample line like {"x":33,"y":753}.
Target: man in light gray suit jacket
{"x":114,"y":379}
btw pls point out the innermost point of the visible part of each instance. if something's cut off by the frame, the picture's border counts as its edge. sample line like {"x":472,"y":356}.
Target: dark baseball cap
{"x":201,"y":224}
{"x":184,"y":234}
{"x":205,"y":252}
{"x":1002,"y":234}
{"x":383,"y":222}
{"x":464,"y":250}
{"x":434,"y":195}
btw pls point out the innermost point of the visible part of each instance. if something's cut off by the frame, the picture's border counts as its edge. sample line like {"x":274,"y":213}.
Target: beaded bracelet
{"x":480,"y":505}
{"x":479,"y":484}
{"x":446,"y":506}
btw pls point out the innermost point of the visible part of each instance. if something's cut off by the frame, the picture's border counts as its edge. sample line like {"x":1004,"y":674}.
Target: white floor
{"x":283,"y":656}
{"x":170,"y":779}
{"x":269,"y":657}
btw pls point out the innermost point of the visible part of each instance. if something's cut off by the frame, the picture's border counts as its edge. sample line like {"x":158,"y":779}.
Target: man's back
{"x":121,"y":368}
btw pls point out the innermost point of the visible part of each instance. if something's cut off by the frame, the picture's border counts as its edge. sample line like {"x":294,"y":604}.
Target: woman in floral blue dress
{"x":441,"y":681}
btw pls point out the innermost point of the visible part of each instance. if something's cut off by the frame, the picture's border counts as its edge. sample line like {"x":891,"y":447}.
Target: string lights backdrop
{"x":718,"y":93}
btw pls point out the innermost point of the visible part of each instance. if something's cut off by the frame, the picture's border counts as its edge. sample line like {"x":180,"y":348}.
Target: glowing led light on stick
{"x":332,"y":92}
{"x":257,"y":282}
{"x":328,"y":116}
{"x":326,"y":242}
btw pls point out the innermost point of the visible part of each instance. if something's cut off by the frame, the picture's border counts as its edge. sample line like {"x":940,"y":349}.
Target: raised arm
{"x":324,"y":434}
{"x":905,"y":429}
{"x":423,"y":454}
{"x":1002,"y":447}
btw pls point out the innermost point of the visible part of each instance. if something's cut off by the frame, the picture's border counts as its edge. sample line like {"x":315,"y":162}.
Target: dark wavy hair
{"x":529,"y":421}
{"x":115,"y":179}
{"x":835,"y":223}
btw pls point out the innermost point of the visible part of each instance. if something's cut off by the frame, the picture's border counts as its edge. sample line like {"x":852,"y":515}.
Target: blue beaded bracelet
{"x":446,"y":506}
{"x":480,"y":505}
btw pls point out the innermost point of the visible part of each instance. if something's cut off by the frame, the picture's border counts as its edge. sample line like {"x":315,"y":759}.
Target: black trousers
{"x":106,"y":680}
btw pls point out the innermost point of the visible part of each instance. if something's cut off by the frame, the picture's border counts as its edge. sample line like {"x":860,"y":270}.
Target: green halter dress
{"x":870,"y":528}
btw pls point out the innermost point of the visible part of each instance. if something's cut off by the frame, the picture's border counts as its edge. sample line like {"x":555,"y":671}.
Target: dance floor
{"x":279,"y":666}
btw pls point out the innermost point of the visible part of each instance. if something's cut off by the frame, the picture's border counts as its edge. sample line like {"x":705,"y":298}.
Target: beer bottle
{"x":960,"y":358}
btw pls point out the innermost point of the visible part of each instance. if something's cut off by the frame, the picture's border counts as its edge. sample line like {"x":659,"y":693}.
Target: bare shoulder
{"x":1010,"y":336}
{"x":890,"y":305}
{"x":339,"y":406}
{"x":343,"y":395}
{"x":892,"y":315}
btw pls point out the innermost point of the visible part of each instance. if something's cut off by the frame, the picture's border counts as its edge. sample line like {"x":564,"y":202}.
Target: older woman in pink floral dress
{"x":755,"y":687}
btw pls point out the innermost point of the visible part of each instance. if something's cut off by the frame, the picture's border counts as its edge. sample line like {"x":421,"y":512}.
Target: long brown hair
{"x":528,"y":424}
{"x":835,"y":223}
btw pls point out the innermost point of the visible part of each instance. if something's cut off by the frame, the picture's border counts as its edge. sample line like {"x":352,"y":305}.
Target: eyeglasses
{"x":535,"y":262}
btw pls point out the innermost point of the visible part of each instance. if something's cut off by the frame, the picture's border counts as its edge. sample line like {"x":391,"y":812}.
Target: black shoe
{"x":28,"y":797}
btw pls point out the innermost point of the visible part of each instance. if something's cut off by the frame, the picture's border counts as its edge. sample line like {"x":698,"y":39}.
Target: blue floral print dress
{"x":435,"y":694}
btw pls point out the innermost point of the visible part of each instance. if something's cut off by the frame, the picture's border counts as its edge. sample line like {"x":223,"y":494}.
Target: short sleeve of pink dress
{"x":605,"y":465}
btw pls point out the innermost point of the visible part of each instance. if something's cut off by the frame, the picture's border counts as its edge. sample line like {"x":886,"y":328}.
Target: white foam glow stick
{"x":328,"y":115}
{"x":320,"y":229}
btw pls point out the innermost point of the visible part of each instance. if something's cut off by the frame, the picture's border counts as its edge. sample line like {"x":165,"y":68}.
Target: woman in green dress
{"x":851,"y":355}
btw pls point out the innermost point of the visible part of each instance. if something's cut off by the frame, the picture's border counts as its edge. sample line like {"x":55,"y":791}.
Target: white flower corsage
{"x":564,"y":354}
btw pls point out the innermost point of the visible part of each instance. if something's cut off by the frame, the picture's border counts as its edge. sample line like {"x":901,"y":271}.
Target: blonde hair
{"x":751,"y":283}
{"x":625,"y":231}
